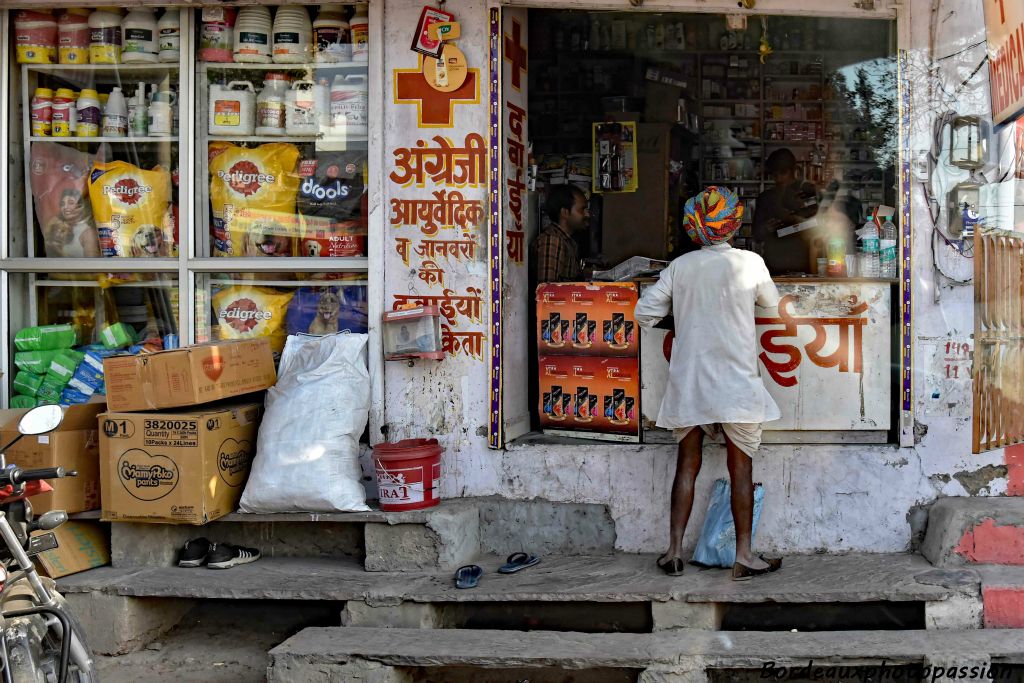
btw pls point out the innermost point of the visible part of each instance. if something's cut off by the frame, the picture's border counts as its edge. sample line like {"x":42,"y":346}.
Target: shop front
{"x":259,"y":201}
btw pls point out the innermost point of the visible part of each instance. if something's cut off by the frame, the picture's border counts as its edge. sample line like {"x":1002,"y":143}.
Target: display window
{"x":146,"y":143}
{"x":630,"y":115}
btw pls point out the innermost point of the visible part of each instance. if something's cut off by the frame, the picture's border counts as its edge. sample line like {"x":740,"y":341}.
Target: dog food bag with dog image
{"x":253,"y":196}
{"x":326,"y":310}
{"x":130,"y":206}
{"x":244,"y":312}
{"x":59,"y":176}
{"x":330,"y":198}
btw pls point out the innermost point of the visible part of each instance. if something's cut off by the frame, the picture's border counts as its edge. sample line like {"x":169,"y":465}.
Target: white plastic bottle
{"x":105,"y":36}
{"x":888,"y":263}
{"x":89,"y":114}
{"x":115,"y":115}
{"x":868,"y":236}
{"x":360,"y":25}
{"x":253,"y":29}
{"x":349,"y":103}
{"x":168,"y":31}
{"x":232,"y":108}
{"x":293,"y":35}
{"x":138,"y":113}
{"x":301,"y":116}
{"x":332,"y":36}
{"x":140,"y":44}
{"x":270,"y":109}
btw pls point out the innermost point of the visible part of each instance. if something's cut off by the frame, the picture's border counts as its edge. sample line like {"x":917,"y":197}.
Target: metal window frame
{"x":188,"y":268}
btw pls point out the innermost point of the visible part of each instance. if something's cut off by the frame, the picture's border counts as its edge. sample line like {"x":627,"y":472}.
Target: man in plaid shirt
{"x":554,"y":250}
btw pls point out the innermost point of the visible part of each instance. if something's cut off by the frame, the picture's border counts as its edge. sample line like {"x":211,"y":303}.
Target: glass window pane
{"x":99,"y":133}
{"x":101,"y":314}
{"x":274,"y":305}
{"x":282,"y":102}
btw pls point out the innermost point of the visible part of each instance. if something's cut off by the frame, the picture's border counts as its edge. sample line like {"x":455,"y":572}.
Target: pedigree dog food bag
{"x":130,"y":207}
{"x":244,"y":312}
{"x":253,"y":194}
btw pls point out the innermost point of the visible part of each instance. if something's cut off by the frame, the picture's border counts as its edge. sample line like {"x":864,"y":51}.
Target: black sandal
{"x":673,"y":566}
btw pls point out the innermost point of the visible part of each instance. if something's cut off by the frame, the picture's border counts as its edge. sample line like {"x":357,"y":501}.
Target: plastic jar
{"x":105,"y":36}
{"x":35,"y":37}
{"x":168,"y":36}
{"x":293,"y":35}
{"x":42,"y":112}
{"x":140,"y":44}
{"x":89,"y":114}
{"x":232,"y":108}
{"x":301,"y":116}
{"x":332,"y":36}
{"x":216,"y":37}
{"x":73,"y":37}
{"x":349,"y":102}
{"x":270,"y":119}
{"x":65,"y":114}
{"x":253,"y":30}
{"x":360,"y":25}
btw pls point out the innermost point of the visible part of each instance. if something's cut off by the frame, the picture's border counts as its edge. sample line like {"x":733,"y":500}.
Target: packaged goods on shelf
{"x":293,"y":35}
{"x":73,"y":36}
{"x":232,"y":108}
{"x":326,"y":310}
{"x":330,"y":204}
{"x":168,"y":31}
{"x":106,"y":38}
{"x":244,"y":312}
{"x":253,"y":192}
{"x":45,"y":338}
{"x":35,"y":362}
{"x":216,"y":36}
{"x":35,"y":37}
{"x":58,"y":175}
{"x":130,"y":204}
{"x":140,"y":37}
{"x":332,"y":36}
{"x":253,"y":29}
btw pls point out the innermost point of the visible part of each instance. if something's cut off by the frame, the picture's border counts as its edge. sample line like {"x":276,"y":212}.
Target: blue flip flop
{"x":468,"y":576}
{"x":516,"y":562}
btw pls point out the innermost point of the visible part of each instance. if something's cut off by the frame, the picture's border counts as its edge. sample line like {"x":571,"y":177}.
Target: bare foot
{"x":752,"y":561}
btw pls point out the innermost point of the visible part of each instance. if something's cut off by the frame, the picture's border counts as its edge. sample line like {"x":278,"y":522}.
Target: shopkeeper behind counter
{"x":555,"y":254}
{"x":789,"y":202}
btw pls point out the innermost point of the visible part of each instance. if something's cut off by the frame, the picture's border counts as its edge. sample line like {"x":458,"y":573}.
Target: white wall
{"x":818,"y":497}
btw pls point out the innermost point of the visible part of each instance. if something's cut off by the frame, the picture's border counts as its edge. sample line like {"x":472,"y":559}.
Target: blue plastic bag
{"x":717,"y":544}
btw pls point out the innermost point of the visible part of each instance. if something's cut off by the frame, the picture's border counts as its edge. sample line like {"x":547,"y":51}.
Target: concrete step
{"x":406,"y":655}
{"x":1002,"y":594}
{"x":602,"y":593}
{"x":975,"y":531}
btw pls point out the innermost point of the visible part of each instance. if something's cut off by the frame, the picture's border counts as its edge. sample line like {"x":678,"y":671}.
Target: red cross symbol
{"x":434,"y":109}
{"x":515,"y":54}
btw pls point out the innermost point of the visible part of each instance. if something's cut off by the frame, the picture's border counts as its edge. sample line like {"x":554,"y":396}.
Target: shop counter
{"x":825,"y":357}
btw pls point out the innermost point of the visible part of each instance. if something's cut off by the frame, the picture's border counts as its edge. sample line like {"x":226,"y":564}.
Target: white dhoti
{"x":746,"y":436}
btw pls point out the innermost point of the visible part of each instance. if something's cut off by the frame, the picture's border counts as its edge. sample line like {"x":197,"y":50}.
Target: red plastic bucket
{"x":408,"y":474}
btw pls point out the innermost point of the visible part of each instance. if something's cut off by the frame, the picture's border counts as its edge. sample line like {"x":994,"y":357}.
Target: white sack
{"x":307,"y":455}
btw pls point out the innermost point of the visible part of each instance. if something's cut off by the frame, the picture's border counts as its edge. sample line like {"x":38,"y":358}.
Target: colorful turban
{"x":713,"y":216}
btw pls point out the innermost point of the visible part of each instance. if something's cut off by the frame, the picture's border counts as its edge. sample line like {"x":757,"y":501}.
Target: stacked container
{"x":293,"y":35}
{"x":253,"y":30}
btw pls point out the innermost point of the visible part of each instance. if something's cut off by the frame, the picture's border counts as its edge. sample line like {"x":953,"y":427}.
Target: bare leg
{"x":740,"y":477}
{"x":688,"y":464}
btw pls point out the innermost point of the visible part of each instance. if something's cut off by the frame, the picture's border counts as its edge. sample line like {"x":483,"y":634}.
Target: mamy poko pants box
{"x":593,"y":394}
{"x":179,"y":467}
{"x":587,"y":319}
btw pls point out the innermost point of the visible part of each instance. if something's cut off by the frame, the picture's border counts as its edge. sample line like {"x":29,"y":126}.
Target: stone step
{"x":623,"y":592}
{"x":1002,"y":593}
{"x":395,"y":655}
{"x":974,"y":531}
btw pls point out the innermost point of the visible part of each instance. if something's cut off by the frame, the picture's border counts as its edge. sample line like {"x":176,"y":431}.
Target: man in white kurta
{"x":714,"y":385}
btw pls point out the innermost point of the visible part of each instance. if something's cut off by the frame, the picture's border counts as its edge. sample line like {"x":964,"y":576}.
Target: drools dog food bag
{"x":59,"y":178}
{"x":130,"y":206}
{"x":253,"y":196}
{"x":330,"y":199}
{"x":244,"y":312}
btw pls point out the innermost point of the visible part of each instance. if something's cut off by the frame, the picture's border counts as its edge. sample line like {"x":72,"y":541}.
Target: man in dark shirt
{"x":554,"y":250}
{"x":789,"y":202}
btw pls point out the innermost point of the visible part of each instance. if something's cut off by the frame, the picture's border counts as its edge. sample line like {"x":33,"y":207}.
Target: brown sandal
{"x":672,"y":567}
{"x":741,"y":572}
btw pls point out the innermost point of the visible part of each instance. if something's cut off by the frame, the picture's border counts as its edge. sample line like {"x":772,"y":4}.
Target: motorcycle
{"x":40,"y":639}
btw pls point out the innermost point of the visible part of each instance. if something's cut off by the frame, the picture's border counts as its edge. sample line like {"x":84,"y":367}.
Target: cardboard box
{"x":188,"y":376}
{"x":177,"y":467}
{"x":587,"y":319}
{"x":74,"y":446}
{"x":590,"y":394}
{"x":80,"y":546}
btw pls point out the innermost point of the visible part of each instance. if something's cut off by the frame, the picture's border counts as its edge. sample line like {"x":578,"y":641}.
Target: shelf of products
{"x":131,"y":191}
